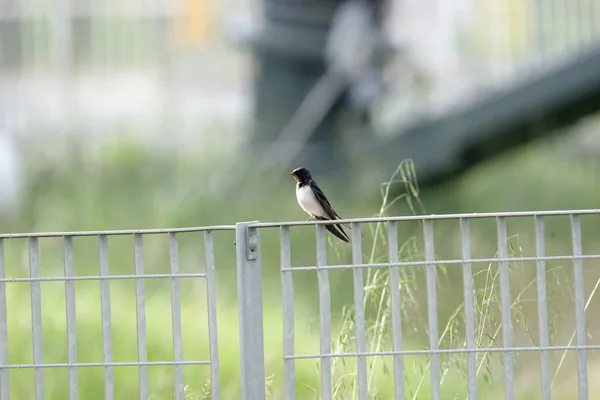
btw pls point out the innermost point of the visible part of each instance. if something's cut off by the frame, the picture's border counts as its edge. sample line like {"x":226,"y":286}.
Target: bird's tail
{"x":348,"y":226}
{"x":336,"y":230}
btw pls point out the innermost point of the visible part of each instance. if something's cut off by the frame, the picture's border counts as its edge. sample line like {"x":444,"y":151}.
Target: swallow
{"x":313,"y":201}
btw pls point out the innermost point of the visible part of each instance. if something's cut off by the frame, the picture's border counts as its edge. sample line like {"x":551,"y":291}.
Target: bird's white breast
{"x":308,"y":201}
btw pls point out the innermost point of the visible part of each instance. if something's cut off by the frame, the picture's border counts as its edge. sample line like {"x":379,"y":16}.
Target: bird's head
{"x":301,"y":175}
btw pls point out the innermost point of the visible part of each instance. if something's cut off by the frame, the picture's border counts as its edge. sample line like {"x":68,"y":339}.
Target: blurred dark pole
{"x":289,"y":60}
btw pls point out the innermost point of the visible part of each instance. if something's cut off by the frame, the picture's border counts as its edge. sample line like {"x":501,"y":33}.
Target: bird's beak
{"x":290,"y":173}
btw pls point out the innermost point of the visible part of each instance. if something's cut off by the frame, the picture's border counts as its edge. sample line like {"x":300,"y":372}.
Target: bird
{"x":313,"y":201}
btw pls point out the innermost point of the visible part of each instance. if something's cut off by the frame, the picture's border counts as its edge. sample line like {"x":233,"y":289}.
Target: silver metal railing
{"x":251,"y":305}
{"x":105,"y":278}
{"x":508,"y":348}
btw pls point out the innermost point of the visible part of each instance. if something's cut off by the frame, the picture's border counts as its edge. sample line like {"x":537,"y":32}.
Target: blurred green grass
{"x":130,"y":185}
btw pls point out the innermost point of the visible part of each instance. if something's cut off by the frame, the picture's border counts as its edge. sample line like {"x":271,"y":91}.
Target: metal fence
{"x":105,"y":278}
{"x":251,"y":305}
{"x":431,"y":262}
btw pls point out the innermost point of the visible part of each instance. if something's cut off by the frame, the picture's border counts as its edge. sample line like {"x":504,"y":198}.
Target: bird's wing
{"x":320,"y":196}
{"x":337,"y":230}
{"x":323,"y":201}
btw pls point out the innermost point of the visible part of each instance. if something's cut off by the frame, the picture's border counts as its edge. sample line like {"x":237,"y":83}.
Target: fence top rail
{"x":300,"y":223}
{"x":119,"y":232}
{"x":429,"y":217}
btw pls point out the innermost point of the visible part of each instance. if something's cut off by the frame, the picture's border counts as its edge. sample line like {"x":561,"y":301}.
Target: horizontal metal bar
{"x":110,"y":364}
{"x":102,"y":278}
{"x":299,"y":223}
{"x":441,"y":262}
{"x":301,"y":268}
{"x":443,"y":351}
{"x":427,"y":217}
{"x":119,"y":232}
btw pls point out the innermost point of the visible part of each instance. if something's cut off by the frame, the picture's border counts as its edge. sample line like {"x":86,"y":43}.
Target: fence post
{"x":249,"y":284}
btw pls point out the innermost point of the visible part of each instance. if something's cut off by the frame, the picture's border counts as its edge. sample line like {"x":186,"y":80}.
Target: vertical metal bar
{"x":582,"y":378}
{"x":324,"y":313}
{"x":140,"y":306}
{"x":287,"y":287}
{"x":359,"y":311}
{"x":4,"y":383}
{"x":36,"y":317}
{"x":249,"y":282}
{"x":469,"y":307}
{"x":109,"y":389}
{"x":176,"y":316}
{"x":211,"y":300}
{"x":396,"y":309}
{"x":540,"y":245}
{"x":506,"y":310}
{"x":71,"y":317}
{"x":432,"y":310}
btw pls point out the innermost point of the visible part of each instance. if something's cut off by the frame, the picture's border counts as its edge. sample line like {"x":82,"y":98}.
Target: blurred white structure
{"x":96,"y":63}
{"x":11,"y":172}
{"x":462,"y":49}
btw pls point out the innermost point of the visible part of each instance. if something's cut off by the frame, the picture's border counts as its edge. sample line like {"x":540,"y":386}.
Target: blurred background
{"x":155,"y":113}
